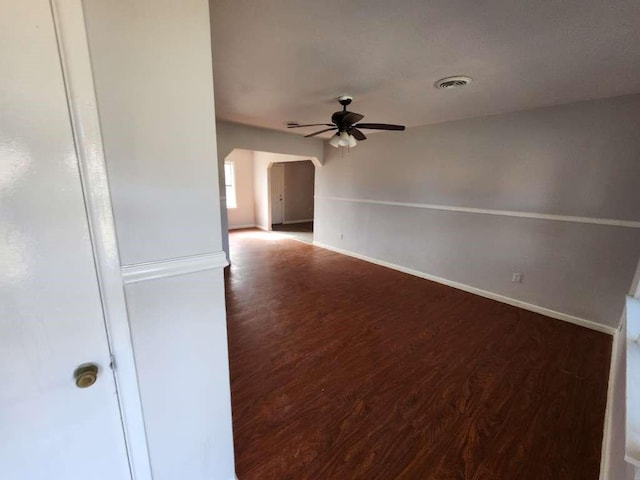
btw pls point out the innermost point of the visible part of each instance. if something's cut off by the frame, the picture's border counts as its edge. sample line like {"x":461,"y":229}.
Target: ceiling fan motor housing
{"x":345,"y":100}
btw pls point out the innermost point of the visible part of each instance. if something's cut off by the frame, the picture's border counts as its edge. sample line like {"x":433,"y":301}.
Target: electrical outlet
{"x":516,"y":278}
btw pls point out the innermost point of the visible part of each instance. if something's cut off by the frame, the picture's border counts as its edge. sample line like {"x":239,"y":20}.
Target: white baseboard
{"x":478,"y":291}
{"x":239,"y":227}
{"x":289,"y":222}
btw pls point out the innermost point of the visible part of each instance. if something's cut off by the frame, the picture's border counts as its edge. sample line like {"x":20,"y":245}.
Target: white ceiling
{"x":286,"y":60}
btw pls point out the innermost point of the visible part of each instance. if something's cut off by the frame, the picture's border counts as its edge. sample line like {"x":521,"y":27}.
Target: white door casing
{"x":277,"y":194}
{"x":51,"y":314}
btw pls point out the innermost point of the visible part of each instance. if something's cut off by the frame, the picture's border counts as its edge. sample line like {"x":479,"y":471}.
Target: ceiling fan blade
{"x":321,"y":131}
{"x":312,"y":125}
{"x":351,"y":117}
{"x":380,"y":126}
{"x":358,"y":135}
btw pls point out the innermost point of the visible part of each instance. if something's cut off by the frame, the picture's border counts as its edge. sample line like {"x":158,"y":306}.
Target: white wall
{"x":233,"y":135}
{"x":153,"y":76}
{"x":243,"y":215}
{"x":261,"y":163}
{"x":299,"y":179}
{"x":552,"y":163}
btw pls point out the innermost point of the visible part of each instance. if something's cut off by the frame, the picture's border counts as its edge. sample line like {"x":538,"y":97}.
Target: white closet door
{"x":51,"y":318}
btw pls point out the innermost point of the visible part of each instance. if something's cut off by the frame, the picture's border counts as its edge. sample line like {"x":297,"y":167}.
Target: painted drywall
{"x":153,"y":80}
{"x":262,"y":208}
{"x":154,"y":85}
{"x":231,"y":136}
{"x":178,"y":343}
{"x":571,"y":160}
{"x":243,"y":215}
{"x":299,"y":180}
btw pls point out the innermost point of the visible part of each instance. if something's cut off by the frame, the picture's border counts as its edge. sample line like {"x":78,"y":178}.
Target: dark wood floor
{"x":341,"y":369}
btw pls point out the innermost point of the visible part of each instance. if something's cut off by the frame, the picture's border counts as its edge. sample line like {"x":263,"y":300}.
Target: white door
{"x":51,"y":318}
{"x":277,"y":194}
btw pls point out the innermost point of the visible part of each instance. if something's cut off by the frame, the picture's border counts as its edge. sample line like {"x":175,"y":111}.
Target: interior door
{"x":51,"y":318}
{"x":277,"y":194}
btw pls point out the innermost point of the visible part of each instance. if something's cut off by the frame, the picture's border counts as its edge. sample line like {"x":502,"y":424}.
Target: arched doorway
{"x":267,"y":189}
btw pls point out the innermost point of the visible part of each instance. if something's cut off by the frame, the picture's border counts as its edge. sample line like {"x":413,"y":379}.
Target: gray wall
{"x":579,"y":160}
{"x":298,"y":186}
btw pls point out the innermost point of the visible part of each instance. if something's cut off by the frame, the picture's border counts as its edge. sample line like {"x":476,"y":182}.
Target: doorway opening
{"x":291,"y":192}
{"x":270,"y":191}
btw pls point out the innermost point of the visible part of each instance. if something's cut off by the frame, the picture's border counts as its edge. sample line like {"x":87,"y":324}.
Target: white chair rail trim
{"x":174,"y":266}
{"x":613,"y":222}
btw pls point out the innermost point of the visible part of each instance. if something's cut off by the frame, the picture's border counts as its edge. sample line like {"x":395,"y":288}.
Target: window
{"x":230,"y":185}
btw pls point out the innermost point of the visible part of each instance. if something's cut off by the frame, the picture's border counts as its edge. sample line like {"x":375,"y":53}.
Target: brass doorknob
{"x":86,"y":375}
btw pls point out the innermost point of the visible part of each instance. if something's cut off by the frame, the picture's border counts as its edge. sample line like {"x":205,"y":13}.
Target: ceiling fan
{"x":346,"y":125}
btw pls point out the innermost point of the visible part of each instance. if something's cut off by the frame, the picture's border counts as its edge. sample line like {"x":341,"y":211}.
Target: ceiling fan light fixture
{"x":335,"y":141}
{"x":344,"y":141}
{"x":352,"y":141}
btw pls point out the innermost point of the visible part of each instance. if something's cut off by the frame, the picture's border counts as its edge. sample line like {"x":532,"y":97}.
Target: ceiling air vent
{"x":452,"y":82}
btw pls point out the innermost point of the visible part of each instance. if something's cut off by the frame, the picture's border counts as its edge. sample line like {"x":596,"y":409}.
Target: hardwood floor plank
{"x":341,"y":369}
